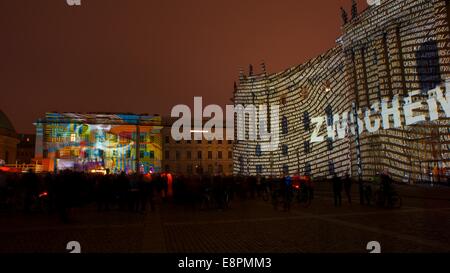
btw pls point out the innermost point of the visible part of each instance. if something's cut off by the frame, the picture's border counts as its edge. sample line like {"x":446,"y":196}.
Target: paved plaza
{"x":249,"y":226}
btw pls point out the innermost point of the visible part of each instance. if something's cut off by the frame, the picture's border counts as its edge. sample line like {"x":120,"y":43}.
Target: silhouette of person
{"x":337,"y":189}
{"x":348,"y":188}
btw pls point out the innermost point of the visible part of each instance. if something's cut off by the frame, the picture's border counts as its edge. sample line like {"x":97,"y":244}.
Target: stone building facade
{"x":8,"y":140}
{"x":191,"y":157}
{"x":26,"y":148}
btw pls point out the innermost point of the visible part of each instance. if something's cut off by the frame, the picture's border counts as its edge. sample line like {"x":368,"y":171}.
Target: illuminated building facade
{"x":302,"y":92}
{"x":385,"y":52}
{"x":98,"y":142}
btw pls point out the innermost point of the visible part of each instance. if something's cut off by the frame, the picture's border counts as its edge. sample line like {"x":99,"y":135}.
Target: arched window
{"x":284,"y":149}
{"x":283,"y":99}
{"x":331,"y":167}
{"x":306,"y":121}
{"x":308,"y":169}
{"x":258,"y":150}
{"x":329,"y":112}
{"x":241,"y":165}
{"x":329,"y":143}
{"x":307,"y":147}
{"x":284,"y":125}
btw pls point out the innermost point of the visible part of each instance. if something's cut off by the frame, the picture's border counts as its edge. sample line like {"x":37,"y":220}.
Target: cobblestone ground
{"x":421,"y":225}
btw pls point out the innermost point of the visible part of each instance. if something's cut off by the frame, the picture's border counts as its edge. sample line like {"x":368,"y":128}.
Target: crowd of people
{"x":59,"y":193}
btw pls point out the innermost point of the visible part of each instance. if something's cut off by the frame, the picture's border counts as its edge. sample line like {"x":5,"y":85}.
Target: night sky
{"x":145,"y":56}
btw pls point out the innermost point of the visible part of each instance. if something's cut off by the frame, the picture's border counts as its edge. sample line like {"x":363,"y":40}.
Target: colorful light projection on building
{"x":92,"y":142}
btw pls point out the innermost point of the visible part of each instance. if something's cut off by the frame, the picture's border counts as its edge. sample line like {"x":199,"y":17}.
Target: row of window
{"x":306,"y":147}
{"x":307,"y":170}
{"x":259,"y":169}
{"x":199,"y":155}
{"x":167,"y":141}
{"x":150,"y":154}
{"x":307,"y":120}
{"x":198,"y":169}
{"x":24,"y":153}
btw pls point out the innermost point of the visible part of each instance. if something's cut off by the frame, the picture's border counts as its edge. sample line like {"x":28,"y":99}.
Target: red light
{"x":43,"y":194}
